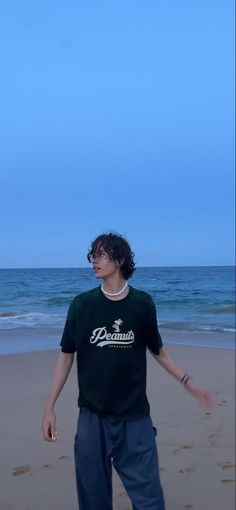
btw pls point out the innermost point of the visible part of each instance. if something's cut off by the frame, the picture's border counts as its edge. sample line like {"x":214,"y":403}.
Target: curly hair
{"x":117,"y":248}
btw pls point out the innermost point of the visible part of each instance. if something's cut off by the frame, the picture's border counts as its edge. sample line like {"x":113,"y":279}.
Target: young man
{"x":111,"y":327}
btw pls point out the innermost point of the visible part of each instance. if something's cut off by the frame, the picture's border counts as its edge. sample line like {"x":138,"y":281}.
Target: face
{"x":104,"y":266}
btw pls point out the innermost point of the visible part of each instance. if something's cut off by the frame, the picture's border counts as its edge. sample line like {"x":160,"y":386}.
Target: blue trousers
{"x":130,"y":447}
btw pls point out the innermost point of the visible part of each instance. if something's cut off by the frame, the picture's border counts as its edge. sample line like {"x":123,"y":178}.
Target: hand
{"x":203,"y":396}
{"x":49,"y":426}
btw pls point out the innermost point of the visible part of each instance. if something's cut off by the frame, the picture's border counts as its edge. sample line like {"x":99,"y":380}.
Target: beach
{"x":196,"y":448}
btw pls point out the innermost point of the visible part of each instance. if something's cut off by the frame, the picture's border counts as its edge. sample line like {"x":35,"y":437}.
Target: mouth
{"x":95,"y":268}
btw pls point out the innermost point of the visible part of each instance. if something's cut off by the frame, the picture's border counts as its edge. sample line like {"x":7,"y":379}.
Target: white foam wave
{"x":31,"y":319}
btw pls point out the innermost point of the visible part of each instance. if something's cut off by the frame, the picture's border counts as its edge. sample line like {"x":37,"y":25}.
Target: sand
{"x":196,"y":448}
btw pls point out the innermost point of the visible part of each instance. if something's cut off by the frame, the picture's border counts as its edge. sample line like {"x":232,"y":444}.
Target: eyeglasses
{"x":100,"y":255}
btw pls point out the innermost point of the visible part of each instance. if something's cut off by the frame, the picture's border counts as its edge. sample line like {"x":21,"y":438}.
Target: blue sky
{"x":117,"y":116}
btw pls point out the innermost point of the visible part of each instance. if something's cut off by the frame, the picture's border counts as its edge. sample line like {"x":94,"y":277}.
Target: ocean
{"x":188,"y":299}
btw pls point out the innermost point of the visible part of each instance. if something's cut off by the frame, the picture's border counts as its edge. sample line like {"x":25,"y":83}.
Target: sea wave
{"x":187,"y":326}
{"x":222,"y":309}
{"x":8,"y":314}
{"x":58,"y":300}
{"x":12,"y":320}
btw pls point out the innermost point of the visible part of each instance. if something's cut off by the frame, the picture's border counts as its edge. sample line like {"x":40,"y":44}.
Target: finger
{"x":45,"y":430}
{"x":52,"y":431}
{"x":48,"y":432}
{"x":53,"y":428}
{"x":54,"y":435}
{"x":51,"y":436}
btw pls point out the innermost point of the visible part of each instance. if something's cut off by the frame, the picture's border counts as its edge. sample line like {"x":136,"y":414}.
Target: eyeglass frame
{"x":100,"y":255}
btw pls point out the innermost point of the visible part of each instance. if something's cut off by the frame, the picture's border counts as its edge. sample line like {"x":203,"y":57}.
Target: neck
{"x":113,"y":283}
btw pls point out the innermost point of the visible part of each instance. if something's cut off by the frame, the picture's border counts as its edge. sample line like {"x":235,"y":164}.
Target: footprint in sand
{"x":183,"y":447}
{"x":187,"y":472}
{"x":47,"y":466}
{"x":226,"y":465}
{"x":223,"y":403}
{"x":227,"y":481}
{"x":21,"y":470}
{"x":188,"y":507}
{"x":162,"y":470}
{"x":213,"y":439}
{"x":50,"y":466}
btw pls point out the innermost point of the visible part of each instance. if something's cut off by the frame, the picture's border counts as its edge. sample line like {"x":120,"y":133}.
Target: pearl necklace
{"x":114,"y":293}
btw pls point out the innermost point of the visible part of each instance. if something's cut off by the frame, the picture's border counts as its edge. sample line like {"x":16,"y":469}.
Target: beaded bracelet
{"x":185,"y":379}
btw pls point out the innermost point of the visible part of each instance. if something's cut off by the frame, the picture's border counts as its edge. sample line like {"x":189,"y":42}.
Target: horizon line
{"x":137,"y":267}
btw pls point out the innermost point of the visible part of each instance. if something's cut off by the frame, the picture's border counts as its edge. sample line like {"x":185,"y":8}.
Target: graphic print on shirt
{"x":102,"y":337}
{"x":117,"y":324}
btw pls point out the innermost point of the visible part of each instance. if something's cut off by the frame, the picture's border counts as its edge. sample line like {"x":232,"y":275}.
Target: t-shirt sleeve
{"x":153,"y":337}
{"x":68,"y":344}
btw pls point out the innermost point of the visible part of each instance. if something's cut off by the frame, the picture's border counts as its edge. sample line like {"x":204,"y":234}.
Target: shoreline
{"x":31,"y":339}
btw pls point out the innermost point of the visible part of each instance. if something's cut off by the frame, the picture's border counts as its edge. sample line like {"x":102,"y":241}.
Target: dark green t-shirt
{"x":111,"y":338}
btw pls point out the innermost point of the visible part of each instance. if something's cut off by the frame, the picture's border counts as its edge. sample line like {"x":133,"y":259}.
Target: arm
{"x":203,"y":396}
{"x":62,"y":370}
